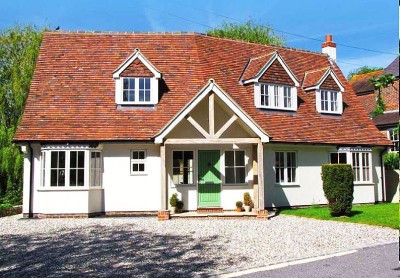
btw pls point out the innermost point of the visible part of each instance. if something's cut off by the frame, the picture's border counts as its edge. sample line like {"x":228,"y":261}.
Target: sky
{"x":366,"y":31}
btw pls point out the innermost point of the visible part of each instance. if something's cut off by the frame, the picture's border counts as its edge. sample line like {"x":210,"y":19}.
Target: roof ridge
{"x":96,"y":32}
{"x":263,"y":56}
{"x":315,"y":70}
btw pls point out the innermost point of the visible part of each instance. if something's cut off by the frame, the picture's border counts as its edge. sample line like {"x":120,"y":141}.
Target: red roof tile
{"x":255,"y":65}
{"x":72,"y":95}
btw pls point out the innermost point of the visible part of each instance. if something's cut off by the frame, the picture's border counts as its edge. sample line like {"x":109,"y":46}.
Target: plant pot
{"x":173,"y":210}
{"x":239,"y":209}
{"x":247,"y":208}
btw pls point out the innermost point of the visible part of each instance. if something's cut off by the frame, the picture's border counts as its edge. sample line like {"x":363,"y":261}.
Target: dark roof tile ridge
{"x":268,"y":45}
{"x":122,"y":32}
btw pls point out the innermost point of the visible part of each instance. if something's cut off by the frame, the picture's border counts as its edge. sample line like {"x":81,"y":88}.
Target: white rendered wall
{"x":308,"y":189}
{"x":49,"y":201}
{"x":126,"y":192}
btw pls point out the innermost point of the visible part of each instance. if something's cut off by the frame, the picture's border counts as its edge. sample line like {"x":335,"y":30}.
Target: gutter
{"x":30,"y":214}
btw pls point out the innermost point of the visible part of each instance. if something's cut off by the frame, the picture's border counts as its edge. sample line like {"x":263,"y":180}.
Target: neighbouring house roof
{"x":390,"y":118}
{"x":361,"y":84}
{"x":393,"y":68}
{"x":72,"y":94}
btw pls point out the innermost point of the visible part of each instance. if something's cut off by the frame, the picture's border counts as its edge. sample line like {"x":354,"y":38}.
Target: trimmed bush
{"x":247,"y":199}
{"x":391,"y":161}
{"x":173,"y":200}
{"x":338,"y":188}
{"x":239,"y":204}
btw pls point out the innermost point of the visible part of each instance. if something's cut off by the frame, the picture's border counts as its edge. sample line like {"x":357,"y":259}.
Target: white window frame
{"x":235,"y":167}
{"x":285,"y":168}
{"x":338,"y":153}
{"x":275,"y":93}
{"x":358,"y":151}
{"x":139,"y":162}
{"x":98,"y":169}
{"x":45,"y":162}
{"x":119,"y":91}
{"x":192,"y":167}
{"x":330,"y":101}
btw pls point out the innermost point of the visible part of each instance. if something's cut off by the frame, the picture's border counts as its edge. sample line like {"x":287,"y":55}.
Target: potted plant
{"x":239,"y":205}
{"x":247,"y":201}
{"x":179,"y":205}
{"x":172,"y":201}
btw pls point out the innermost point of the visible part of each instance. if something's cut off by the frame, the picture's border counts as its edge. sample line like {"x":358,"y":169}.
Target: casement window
{"x":361,"y":166}
{"x":338,"y":158}
{"x":136,"y":90}
{"x":394,"y":137}
{"x":275,"y":96}
{"x":359,"y":160}
{"x":235,"y":167}
{"x":182,"y":167}
{"x":285,"y":167}
{"x":138,"y":162}
{"x":329,"y":102}
{"x":70,"y":168}
{"x":95,"y":169}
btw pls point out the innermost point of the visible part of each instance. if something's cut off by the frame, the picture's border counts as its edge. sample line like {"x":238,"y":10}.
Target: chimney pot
{"x":329,"y":47}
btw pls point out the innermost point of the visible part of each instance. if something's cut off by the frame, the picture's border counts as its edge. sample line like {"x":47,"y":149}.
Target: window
{"x":285,"y":167}
{"x":329,"y":102}
{"x":77,"y":168}
{"x":394,"y":137}
{"x":338,"y":158}
{"x":95,"y":169}
{"x":276,"y":97}
{"x":182,"y":167}
{"x":138,"y":162}
{"x":235,"y":167}
{"x":57,"y":168}
{"x":70,"y":168}
{"x":361,"y":166}
{"x":136,"y":90}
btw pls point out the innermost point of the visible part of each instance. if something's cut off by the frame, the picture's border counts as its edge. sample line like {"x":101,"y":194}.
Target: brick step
{"x":210,"y":210}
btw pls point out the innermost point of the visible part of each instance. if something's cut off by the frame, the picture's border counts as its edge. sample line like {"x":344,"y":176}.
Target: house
{"x":367,"y":94}
{"x":115,"y":123}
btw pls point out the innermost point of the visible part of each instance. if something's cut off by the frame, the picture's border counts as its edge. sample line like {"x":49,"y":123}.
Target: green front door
{"x":209,"y":186}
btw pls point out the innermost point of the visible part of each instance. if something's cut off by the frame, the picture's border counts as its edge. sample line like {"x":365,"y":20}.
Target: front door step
{"x":210,"y":210}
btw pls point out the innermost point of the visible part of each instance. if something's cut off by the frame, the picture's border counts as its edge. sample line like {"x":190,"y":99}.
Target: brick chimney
{"x":329,"y":47}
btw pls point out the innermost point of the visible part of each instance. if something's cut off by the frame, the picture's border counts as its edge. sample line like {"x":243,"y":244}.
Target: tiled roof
{"x":72,"y":95}
{"x":393,"y":68}
{"x":255,"y":65}
{"x":361,"y":84}
{"x":387,"y":118}
{"x":311,"y":78}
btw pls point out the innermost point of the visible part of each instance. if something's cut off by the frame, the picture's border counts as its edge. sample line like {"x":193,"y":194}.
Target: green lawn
{"x":386,"y":215}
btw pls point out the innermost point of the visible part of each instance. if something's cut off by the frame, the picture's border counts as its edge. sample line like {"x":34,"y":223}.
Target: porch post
{"x":260,"y":160}
{"x":163,"y":213}
{"x":163,"y":179}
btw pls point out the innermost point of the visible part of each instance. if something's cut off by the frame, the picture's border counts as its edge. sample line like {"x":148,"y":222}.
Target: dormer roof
{"x":136,"y":55}
{"x":324,"y":78}
{"x":257,"y":66}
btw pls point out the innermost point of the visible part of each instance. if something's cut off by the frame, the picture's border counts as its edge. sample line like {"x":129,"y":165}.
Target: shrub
{"x":179,"y":205}
{"x":391,"y":161}
{"x":338,"y":188}
{"x":173,"y":200}
{"x":239,"y":204}
{"x":247,"y":199}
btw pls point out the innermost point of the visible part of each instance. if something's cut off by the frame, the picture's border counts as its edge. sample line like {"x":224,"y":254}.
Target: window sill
{"x":235,"y":184}
{"x":287,"y":185}
{"x":363,"y":183}
{"x":47,"y":189}
{"x":138,"y":174}
{"x":183,"y":184}
{"x":277,"y":108}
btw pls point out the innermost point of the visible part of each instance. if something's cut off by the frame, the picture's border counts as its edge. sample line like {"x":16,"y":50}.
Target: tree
{"x":247,"y":32}
{"x":380,"y":82}
{"x":19,"y":48}
{"x":362,"y":70}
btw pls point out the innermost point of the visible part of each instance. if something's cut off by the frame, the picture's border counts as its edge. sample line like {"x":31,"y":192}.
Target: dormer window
{"x":136,"y":81}
{"x":136,"y":90}
{"x":275,"y":96}
{"x":329,"y":101}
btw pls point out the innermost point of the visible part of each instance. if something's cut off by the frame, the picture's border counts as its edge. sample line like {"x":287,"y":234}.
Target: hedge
{"x":338,"y":188}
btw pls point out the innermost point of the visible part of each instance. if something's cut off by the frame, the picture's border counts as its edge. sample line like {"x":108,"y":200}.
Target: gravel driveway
{"x":145,"y":247}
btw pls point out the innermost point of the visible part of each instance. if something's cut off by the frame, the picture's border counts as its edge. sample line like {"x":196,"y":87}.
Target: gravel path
{"x":145,"y":247}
